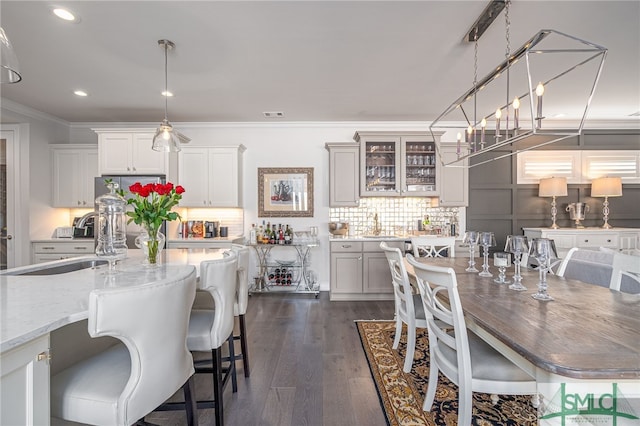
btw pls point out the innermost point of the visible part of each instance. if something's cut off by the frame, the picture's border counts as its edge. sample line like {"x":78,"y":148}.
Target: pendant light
{"x":9,"y":70}
{"x":532,"y":71}
{"x":166,"y":139}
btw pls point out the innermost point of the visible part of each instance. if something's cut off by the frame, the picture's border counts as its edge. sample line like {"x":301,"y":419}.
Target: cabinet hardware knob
{"x":134,"y":169}
{"x":586,"y":241}
{"x":608,"y":241}
{"x":78,"y":202}
{"x":44,"y":356}
{"x":128,"y":169}
{"x":360,"y":258}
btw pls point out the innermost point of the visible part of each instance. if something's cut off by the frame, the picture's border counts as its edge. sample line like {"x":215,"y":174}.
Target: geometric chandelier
{"x":506,"y":106}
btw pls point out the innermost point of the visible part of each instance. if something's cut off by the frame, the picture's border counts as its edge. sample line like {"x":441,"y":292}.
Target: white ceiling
{"x":313,"y":60}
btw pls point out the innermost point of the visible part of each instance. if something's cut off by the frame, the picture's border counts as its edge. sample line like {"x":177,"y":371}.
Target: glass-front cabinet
{"x":397,"y":164}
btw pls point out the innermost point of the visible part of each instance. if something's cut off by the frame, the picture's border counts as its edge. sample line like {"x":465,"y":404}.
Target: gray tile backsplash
{"x":397,"y":216}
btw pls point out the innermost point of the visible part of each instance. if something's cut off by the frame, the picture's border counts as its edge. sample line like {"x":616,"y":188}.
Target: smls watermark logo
{"x":606,"y":407}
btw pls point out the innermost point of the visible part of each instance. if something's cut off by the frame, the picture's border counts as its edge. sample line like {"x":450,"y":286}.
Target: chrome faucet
{"x":376,"y":225}
{"x":83,"y":220}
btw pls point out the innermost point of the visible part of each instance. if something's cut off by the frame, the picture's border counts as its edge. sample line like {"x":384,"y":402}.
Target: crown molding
{"x":30,"y":112}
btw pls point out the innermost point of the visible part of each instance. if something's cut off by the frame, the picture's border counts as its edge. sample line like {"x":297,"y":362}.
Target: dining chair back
{"x":408,"y":305}
{"x":129,"y":380}
{"x":589,"y":266}
{"x":433,"y":246}
{"x":626,"y":273}
{"x":242,"y":301}
{"x":462,"y":356}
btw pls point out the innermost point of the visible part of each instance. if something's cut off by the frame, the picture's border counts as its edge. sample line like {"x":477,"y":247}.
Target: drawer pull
{"x":586,"y":241}
{"x":608,"y":241}
{"x":80,"y":248}
{"x":48,"y":248}
{"x":346,"y":246}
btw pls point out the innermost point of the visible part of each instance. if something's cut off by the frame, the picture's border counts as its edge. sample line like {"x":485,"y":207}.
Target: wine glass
{"x":471,"y":238}
{"x":543,"y":251}
{"x":517,"y":244}
{"x":486,"y":240}
{"x":502,"y":260}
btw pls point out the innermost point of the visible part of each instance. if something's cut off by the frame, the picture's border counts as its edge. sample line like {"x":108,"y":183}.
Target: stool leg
{"x":243,"y":346}
{"x":190,"y":404}
{"x":232,"y":363}
{"x":217,"y":385}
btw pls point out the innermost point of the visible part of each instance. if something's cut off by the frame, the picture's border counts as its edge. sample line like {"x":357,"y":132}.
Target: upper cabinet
{"x":211,"y":176}
{"x":74,"y":168}
{"x":128,"y":152}
{"x":453,"y":181}
{"x":344,"y":174}
{"x":398,"y":164}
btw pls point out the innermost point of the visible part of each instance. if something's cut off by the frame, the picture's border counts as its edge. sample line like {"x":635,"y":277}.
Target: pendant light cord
{"x":166,"y":78}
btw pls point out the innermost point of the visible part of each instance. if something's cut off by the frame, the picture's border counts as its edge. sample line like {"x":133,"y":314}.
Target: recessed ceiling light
{"x":167,"y":94}
{"x":273,"y":114}
{"x":80,"y":93}
{"x":65,"y":14}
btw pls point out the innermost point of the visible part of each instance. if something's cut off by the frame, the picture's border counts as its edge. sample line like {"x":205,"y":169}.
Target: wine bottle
{"x":288,"y":235}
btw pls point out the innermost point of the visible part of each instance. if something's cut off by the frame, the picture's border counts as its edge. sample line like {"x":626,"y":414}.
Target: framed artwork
{"x":285,"y":192}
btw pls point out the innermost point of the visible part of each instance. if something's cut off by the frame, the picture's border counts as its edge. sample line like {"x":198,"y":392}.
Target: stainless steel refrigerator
{"x":124,"y":182}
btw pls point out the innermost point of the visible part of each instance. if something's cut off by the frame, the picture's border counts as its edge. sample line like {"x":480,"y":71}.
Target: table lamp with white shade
{"x":553,"y":187}
{"x":606,"y":187}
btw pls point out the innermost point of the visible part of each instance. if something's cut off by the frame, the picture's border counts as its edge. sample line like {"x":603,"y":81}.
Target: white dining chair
{"x":241,"y":303}
{"x":467,"y":360}
{"x":433,"y":246}
{"x":131,"y":379}
{"x":626,"y":273}
{"x":408,"y":305}
{"x":589,"y":266}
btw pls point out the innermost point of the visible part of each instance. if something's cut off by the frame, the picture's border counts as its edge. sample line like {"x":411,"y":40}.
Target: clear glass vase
{"x":151,"y":242}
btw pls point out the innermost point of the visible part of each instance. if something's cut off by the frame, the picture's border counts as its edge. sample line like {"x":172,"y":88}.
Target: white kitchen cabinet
{"x":211,"y":176}
{"x":360,"y":271}
{"x":128,"y":152}
{"x":394,"y":164}
{"x":344,"y":174}
{"x":621,"y":239}
{"x":453,"y":182}
{"x":45,"y":251}
{"x":24,"y":384}
{"x":74,"y":168}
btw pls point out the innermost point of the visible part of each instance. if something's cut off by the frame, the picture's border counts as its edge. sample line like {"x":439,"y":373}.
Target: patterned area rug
{"x":402,"y":394}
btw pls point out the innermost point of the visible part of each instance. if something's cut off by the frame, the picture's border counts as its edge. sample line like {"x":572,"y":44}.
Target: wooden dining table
{"x":587,"y":334}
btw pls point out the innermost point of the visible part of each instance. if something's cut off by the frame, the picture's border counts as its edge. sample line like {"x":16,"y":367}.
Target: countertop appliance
{"x":124,"y":182}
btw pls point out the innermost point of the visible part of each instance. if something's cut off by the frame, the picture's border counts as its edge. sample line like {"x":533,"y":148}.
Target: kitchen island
{"x":34,"y":306}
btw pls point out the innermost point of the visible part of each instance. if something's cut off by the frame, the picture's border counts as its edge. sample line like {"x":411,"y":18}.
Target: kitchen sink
{"x":57,"y":268}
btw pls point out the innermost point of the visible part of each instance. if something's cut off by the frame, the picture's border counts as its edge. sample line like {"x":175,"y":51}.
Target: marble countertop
{"x":34,"y":305}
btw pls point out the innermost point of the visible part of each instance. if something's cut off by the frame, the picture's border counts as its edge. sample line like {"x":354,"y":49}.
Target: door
{"x":7,"y":200}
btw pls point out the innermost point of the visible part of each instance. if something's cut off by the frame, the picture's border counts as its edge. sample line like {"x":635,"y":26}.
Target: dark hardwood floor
{"x":307,"y":366}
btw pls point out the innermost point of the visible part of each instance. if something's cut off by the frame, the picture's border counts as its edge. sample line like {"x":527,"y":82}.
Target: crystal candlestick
{"x":502,"y":261}
{"x":471,"y":238}
{"x":542,"y":250}
{"x":487,"y":240}
{"x":517,"y":245}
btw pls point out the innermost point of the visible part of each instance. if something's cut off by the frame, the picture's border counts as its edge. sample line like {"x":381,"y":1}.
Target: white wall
{"x":40,"y":130}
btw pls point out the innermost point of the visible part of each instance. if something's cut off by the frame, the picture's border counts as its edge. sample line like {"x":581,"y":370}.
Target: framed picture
{"x":285,"y":192}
